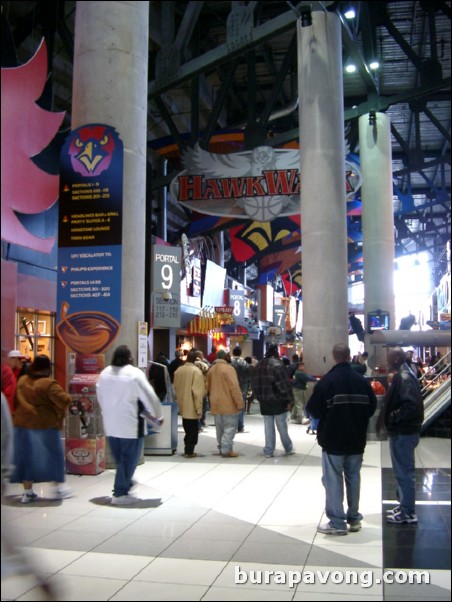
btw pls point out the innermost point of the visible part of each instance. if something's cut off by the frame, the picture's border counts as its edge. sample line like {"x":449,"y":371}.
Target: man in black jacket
{"x":343,"y":401}
{"x":403,"y":414}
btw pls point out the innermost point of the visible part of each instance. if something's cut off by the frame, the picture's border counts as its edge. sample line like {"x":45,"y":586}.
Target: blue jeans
{"x":126,"y":453}
{"x":270,"y":435}
{"x":226,"y":427}
{"x":336,"y":469}
{"x":402,"y":449}
{"x":241,"y":424}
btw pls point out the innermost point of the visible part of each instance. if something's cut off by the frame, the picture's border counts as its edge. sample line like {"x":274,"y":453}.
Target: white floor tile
{"x":116,"y":566}
{"x":181,"y":571}
{"x":74,"y":588}
{"x":142,"y":590}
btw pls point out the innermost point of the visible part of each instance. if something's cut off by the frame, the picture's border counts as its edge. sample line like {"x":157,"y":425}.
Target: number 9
{"x":167,"y":276}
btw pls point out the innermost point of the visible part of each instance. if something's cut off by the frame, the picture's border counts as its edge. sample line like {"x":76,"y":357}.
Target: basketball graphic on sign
{"x":263,"y":208}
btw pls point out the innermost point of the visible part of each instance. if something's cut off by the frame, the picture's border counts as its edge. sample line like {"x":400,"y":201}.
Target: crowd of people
{"x":337,"y":412}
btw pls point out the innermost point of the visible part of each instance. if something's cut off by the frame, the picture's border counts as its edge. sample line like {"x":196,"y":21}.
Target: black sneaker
{"x":354,"y":526}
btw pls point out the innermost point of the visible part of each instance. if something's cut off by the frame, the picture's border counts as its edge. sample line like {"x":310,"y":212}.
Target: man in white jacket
{"x":123,"y":391}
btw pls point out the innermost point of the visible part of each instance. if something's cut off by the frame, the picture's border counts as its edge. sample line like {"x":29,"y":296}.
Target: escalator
{"x":436,"y":393}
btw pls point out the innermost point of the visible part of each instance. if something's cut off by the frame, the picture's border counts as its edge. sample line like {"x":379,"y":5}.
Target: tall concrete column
{"x":378,"y":222}
{"x":110,"y":86}
{"x":323,"y":201}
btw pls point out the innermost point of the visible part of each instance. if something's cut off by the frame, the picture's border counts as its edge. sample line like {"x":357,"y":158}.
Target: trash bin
{"x":164,"y":442}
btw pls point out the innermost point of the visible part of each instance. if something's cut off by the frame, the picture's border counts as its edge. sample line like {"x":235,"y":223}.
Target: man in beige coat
{"x":190,"y":390}
{"x":226,"y":402}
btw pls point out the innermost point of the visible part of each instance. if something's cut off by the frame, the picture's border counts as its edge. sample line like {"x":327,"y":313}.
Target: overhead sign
{"x":261,"y":184}
{"x":165,"y":302}
{"x":279,"y":321}
{"x":237,"y":301}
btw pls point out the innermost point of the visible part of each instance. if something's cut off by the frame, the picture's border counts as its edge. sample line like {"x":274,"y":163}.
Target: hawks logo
{"x":91,"y":149}
{"x":261,"y":185}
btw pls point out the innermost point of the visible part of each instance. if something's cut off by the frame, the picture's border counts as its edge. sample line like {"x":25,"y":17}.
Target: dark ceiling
{"x":233,"y":65}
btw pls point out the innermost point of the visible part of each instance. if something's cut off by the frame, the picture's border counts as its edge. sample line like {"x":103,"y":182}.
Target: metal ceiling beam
{"x":279,"y":81}
{"x":223,"y":53}
{"x":219,"y":101}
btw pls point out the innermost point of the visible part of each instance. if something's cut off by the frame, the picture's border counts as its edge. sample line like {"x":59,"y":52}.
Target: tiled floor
{"x":234,"y":529}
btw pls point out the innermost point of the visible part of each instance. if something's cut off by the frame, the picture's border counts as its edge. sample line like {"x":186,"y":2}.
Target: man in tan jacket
{"x":226,"y":402}
{"x":190,"y":390}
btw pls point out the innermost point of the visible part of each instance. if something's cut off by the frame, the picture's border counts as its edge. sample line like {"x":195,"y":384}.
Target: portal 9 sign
{"x":166,"y":266}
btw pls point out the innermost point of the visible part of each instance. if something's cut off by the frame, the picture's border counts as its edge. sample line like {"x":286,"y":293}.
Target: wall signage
{"x":90,"y":239}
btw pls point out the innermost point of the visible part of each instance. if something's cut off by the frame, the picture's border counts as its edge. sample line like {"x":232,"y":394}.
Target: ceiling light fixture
{"x":374,"y":65}
{"x":350,"y":68}
{"x":350,"y":13}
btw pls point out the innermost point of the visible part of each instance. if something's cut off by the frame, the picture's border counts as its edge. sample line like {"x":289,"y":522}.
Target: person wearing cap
{"x":243,"y":370}
{"x":18,"y":363}
{"x":273,"y":388}
{"x":226,"y":402}
{"x":175,"y":363}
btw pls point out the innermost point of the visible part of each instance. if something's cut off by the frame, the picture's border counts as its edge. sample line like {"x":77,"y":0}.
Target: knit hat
{"x":221,"y":355}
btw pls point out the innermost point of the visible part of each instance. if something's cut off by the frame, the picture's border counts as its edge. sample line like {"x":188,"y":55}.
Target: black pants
{"x":191,"y":434}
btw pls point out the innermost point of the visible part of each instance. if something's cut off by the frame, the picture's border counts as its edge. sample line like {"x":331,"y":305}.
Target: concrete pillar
{"x":110,"y":86}
{"x":378,"y":223}
{"x":323,"y":201}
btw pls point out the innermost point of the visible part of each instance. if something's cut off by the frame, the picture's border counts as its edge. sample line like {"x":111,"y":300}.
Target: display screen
{"x":378,"y":320}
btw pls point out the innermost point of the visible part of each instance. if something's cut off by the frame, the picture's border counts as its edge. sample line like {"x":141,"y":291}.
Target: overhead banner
{"x":90,"y":239}
{"x":261,"y":184}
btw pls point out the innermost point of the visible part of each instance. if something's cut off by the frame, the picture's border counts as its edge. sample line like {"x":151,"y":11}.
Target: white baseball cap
{"x":15,"y":353}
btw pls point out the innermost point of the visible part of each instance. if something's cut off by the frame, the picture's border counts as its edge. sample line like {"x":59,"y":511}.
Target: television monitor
{"x":377,"y":320}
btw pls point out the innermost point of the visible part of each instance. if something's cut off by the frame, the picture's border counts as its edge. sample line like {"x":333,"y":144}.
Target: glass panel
{"x":35,"y":333}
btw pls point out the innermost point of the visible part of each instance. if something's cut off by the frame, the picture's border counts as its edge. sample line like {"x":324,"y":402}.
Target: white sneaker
{"x":328,"y":529}
{"x":123,"y":500}
{"x":27,"y":498}
{"x":61,"y":493}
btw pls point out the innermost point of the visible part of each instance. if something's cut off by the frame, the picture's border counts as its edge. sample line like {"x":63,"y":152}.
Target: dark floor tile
{"x":427,"y":544}
{"x":416,"y":558}
{"x":414,"y":592}
{"x":407,"y":536}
